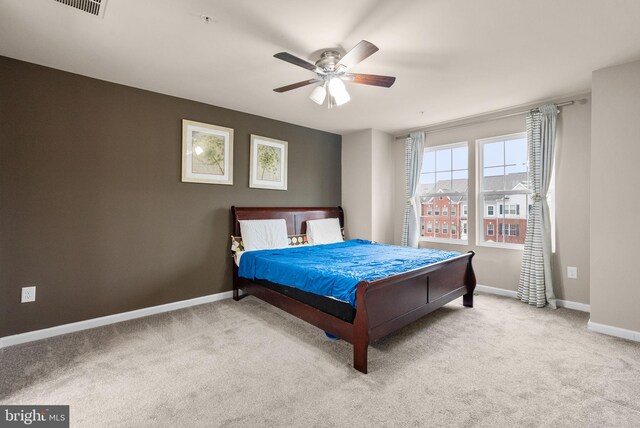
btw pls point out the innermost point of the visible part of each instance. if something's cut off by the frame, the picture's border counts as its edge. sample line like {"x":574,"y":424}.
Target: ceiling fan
{"x":332,"y":70}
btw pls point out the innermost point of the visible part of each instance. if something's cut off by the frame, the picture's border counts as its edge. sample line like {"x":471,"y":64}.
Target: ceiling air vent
{"x":94,"y":7}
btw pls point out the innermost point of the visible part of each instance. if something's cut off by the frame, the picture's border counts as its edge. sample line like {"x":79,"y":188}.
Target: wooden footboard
{"x":389,"y":304}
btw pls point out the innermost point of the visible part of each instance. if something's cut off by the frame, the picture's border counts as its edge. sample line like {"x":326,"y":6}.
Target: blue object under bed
{"x":335,"y":269}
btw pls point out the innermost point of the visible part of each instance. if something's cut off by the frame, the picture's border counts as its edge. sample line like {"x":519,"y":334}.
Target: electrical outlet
{"x":572,"y":272}
{"x":28,"y":294}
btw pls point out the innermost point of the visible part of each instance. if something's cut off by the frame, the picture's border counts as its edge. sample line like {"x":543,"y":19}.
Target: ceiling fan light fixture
{"x":342,"y":98}
{"x":338,"y":91}
{"x":336,"y":85}
{"x":319,"y":94}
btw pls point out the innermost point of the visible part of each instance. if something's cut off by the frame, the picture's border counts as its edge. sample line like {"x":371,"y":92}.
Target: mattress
{"x":334,"y":270}
{"x":338,"y":309}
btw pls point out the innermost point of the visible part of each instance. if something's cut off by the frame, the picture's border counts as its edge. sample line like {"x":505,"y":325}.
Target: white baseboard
{"x":498,"y":291}
{"x":576,"y":306}
{"x":614,"y":331}
{"x":511,"y":293}
{"x":109,"y":319}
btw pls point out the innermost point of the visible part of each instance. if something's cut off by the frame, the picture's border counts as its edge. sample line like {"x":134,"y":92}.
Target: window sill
{"x":445,"y":241}
{"x":501,"y":246}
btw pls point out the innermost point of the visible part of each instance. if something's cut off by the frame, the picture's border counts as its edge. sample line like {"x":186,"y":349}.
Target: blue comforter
{"x":335,"y":269}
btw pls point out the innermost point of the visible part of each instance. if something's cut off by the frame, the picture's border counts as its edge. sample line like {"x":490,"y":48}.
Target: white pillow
{"x":325,"y":231}
{"x":264,"y":234}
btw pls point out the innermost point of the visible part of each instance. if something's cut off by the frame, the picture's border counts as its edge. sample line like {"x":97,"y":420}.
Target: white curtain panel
{"x":413,"y":151}
{"x":536,"y":286}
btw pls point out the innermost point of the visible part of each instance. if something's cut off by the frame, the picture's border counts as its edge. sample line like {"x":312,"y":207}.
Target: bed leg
{"x":360,"y":348}
{"x":467,"y":300}
{"x":236,"y":294}
{"x":236,"y":289}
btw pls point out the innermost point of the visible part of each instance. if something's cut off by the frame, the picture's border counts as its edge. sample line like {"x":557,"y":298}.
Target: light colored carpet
{"x":247,"y":363}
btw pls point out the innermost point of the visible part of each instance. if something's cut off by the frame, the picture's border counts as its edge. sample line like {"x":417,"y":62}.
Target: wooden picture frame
{"x":268,"y":167}
{"x":207,"y":153}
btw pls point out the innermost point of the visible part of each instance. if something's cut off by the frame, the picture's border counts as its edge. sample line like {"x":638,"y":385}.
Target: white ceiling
{"x":452,"y":58}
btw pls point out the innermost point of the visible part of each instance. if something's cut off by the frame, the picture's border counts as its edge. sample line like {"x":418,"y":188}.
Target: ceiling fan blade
{"x":297,"y":85}
{"x":285,"y":56}
{"x":360,"y":52}
{"x":370,"y":79}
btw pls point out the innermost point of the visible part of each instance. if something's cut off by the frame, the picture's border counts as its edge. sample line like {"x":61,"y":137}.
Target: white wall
{"x":368,"y":185}
{"x":572,"y":202}
{"x":615,"y":175}
{"x":356,"y":184}
{"x":382,"y":191}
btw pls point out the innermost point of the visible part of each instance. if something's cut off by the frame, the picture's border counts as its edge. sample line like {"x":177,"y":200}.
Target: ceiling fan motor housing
{"x":328,"y":61}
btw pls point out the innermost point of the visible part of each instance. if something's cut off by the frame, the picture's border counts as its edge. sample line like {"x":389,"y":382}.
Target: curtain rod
{"x":487,"y":119}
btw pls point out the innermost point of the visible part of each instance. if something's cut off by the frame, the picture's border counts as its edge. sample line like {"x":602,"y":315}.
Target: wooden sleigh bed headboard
{"x":296,"y":218}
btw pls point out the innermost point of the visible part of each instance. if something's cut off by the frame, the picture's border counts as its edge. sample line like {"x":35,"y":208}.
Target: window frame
{"x":480,"y":242}
{"x":438,"y":196}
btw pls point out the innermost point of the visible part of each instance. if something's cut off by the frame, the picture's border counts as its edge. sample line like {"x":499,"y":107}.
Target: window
{"x":509,"y":229}
{"x":429,"y":209}
{"x":453,"y":228}
{"x":429,"y":228}
{"x":444,"y":180}
{"x":465,"y":211}
{"x":464,"y":228}
{"x":503,"y":184}
{"x":510,"y":209}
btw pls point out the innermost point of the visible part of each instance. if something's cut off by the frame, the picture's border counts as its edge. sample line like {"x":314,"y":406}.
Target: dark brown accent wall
{"x":92,"y":209}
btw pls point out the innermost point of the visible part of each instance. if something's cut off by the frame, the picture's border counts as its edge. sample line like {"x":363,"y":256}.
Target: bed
{"x":383,"y":306}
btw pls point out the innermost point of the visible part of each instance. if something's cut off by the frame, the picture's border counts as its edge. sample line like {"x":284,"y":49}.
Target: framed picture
{"x":207,"y":153}
{"x":268,"y":163}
